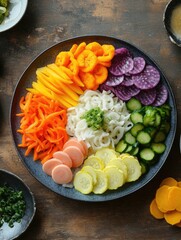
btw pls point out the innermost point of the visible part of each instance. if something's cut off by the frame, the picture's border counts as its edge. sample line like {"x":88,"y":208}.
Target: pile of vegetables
{"x":4,"y":4}
{"x":106,"y":170}
{"x":59,"y":86}
{"x":167,"y":202}
{"x":12,"y":205}
{"x":83,"y":67}
{"x":147,"y":136}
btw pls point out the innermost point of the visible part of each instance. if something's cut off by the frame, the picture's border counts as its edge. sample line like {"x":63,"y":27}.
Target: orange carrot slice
{"x":162,"y":199}
{"x":169,"y":182}
{"x":96,"y":48}
{"x":155,"y":211}
{"x":100,"y":73}
{"x":87,"y":60}
{"x":174,"y":197}
{"x":173,"y":217}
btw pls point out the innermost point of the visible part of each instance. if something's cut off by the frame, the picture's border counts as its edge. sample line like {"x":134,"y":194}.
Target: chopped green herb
{"x":3,"y":9}
{"x":94,"y":118}
{"x":12,"y":205}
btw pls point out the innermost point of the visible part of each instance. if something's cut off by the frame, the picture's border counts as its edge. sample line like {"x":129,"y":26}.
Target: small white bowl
{"x":17,"y":9}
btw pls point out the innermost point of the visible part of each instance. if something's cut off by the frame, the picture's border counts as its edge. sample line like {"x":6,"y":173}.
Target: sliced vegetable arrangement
{"x":96,"y":117}
{"x":106,"y":170}
{"x":146,"y":137}
{"x":167,"y":202}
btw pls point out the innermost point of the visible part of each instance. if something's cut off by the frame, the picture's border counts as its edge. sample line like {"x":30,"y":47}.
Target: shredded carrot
{"x":42,"y":126}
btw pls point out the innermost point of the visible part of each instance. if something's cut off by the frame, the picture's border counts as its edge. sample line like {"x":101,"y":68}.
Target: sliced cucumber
{"x":134,"y":151}
{"x":136,"y":117}
{"x":136,"y":128}
{"x":143,"y":137}
{"x":158,"y":120}
{"x":133,"y":104}
{"x":129,"y":138}
{"x":128,"y":149}
{"x":147,"y":154}
{"x":144,"y":167}
{"x":158,"y":147}
{"x":159,"y":137}
{"x":121,"y":146}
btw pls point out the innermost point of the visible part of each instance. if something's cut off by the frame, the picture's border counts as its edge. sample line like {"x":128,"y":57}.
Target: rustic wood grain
{"x":45,"y":24}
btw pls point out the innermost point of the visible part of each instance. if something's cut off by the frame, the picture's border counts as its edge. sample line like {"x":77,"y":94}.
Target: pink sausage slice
{"x":80,"y":144}
{"x":75,"y":154}
{"x":85,"y":148}
{"x":50,"y":164}
{"x":62,"y":174}
{"x":63,"y":157}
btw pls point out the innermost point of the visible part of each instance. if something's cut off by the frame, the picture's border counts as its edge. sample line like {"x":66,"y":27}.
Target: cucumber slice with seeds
{"x":133,"y":104}
{"x":147,"y":154}
{"x":129,"y":138}
{"x":143,"y":137}
{"x":136,"y":117}
{"x":136,"y":128}
{"x":158,"y":147}
{"x":121,"y":146}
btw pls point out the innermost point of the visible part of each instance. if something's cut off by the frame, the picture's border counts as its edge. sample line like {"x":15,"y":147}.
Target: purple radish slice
{"x":114,"y":80}
{"x":161,"y":95}
{"x":128,"y":81}
{"x":125,"y":93}
{"x":139,"y":65}
{"x":147,"y":79}
{"x":122,"y":51}
{"x":104,"y":87}
{"x":121,"y":65}
{"x":147,"y":97}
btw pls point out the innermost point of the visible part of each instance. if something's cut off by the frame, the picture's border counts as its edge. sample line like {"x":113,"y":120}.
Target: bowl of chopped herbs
{"x":17,"y":205}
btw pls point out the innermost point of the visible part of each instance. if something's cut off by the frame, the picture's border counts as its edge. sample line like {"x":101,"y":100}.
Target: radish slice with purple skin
{"x":147,"y":79}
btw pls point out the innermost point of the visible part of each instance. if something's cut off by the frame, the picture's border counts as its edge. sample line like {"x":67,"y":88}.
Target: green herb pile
{"x":94,"y":118}
{"x":3,"y":9}
{"x":12,"y":205}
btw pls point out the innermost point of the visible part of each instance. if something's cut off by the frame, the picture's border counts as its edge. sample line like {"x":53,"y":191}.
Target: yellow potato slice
{"x":83,"y":182}
{"x":115,"y":177}
{"x":120,"y":165}
{"x":94,"y":162}
{"x":90,"y":170}
{"x":102,"y":182}
{"x":106,"y":154}
{"x":134,"y":168}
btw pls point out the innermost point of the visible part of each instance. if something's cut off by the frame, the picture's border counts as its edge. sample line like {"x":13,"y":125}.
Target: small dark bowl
{"x":167,"y":21}
{"x":7,"y":233}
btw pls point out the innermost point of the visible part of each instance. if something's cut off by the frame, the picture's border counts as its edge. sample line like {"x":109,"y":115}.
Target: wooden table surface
{"x":44,"y":24}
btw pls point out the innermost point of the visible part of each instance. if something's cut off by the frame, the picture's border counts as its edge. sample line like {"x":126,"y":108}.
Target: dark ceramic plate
{"x":35,"y":168}
{"x":16,"y":183}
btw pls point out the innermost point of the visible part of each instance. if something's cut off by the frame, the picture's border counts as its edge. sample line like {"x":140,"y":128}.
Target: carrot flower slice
{"x":87,"y":61}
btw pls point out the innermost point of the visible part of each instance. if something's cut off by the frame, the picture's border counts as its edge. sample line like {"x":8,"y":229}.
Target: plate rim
{"x":100,"y":198}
